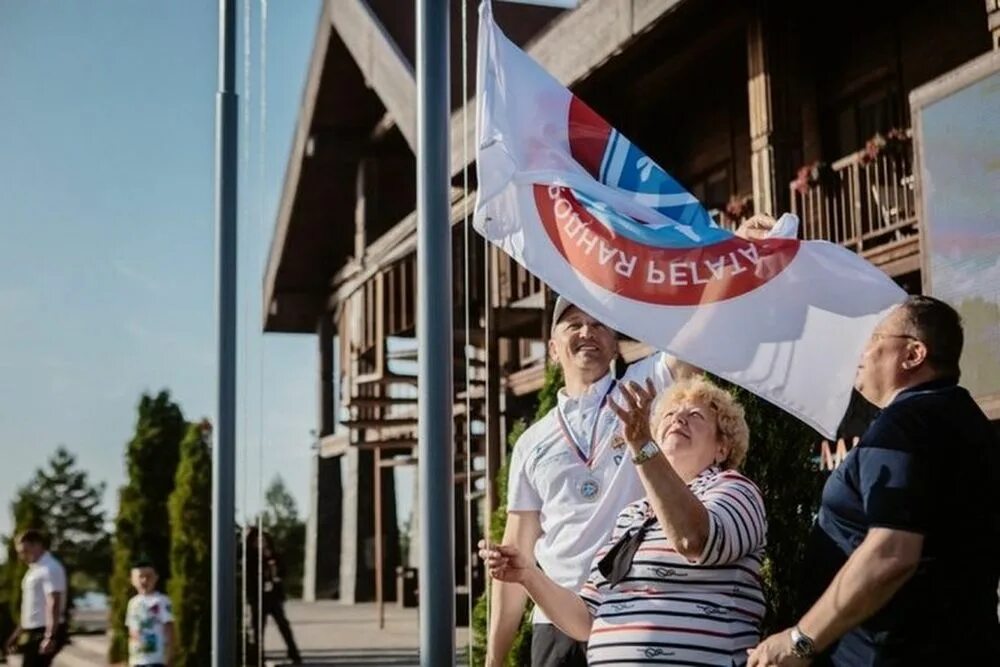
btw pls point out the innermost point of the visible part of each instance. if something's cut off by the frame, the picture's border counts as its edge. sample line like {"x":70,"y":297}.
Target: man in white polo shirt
{"x":569,"y":480}
{"x":41,"y":632}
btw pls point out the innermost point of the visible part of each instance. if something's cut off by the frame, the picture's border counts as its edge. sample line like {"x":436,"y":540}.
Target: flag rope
{"x":244,"y":361}
{"x":468,"y":494}
{"x":261,"y":174}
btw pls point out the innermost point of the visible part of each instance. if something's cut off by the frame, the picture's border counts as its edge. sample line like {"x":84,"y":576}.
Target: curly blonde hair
{"x":730,"y":421}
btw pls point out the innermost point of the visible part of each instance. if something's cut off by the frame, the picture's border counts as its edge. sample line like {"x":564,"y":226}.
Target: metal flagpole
{"x":435,"y":334}
{"x":224,"y":450}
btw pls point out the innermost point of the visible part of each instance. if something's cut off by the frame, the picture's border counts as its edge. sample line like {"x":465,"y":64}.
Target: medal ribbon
{"x":571,"y":439}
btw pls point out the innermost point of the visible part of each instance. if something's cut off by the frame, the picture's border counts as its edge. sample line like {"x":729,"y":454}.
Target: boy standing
{"x":150,"y":621}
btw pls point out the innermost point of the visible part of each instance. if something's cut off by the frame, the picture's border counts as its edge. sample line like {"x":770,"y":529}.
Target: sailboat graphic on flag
{"x":587,"y":211}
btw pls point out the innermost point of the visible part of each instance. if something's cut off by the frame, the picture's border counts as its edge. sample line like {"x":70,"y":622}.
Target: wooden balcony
{"x":865,"y":201}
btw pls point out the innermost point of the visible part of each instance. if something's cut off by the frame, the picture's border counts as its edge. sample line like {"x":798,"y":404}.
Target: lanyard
{"x":571,"y":438}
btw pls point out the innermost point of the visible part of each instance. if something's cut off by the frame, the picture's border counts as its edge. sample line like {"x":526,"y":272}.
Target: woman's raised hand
{"x":636,"y":412}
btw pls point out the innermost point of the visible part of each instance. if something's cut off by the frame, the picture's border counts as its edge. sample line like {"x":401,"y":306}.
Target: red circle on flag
{"x":657,"y":275}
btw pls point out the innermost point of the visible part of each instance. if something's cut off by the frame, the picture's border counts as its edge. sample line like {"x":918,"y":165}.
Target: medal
{"x":571,"y":437}
{"x":589,"y":489}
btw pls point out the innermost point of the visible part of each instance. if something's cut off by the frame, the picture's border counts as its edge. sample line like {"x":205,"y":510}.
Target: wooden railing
{"x":865,"y":201}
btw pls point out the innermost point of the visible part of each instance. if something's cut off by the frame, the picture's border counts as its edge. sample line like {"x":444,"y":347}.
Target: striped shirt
{"x":669,"y":610}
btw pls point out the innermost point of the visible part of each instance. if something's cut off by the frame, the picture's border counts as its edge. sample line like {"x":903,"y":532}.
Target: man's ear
{"x":916,"y":355}
{"x":553,"y":356}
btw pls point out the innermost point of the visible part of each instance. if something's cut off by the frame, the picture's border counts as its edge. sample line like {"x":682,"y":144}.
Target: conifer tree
{"x":61,"y":502}
{"x":190,"y":585}
{"x":74,"y":519}
{"x":142,"y":527}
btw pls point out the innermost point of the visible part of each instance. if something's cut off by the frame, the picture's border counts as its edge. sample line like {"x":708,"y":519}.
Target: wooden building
{"x":753,"y":105}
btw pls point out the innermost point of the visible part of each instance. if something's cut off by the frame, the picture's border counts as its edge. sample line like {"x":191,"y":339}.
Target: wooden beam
{"x":334,"y":445}
{"x":293,"y":169}
{"x":526,"y":380}
{"x":393,"y":443}
{"x":398,"y":462}
{"x":385,"y":378}
{"x":380,"y":423}
{"x":379,"y":401}
{"x":383,"y":65}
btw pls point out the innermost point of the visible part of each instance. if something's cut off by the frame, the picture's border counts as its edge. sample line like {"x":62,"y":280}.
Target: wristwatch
{"x":803,"y":645}
{"x":646,"y":452}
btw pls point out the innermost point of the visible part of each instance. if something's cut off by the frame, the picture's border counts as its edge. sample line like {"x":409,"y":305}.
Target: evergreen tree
{"x":288,"y":533}
{"x":61,"y":502}
{"x":142,"y":527}
{"x":191,"y":548}
{"x":74,"y":520}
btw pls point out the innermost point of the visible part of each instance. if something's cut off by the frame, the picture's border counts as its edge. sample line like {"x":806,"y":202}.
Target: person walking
{"x":42,"y":631}
{"x":266,"y":593}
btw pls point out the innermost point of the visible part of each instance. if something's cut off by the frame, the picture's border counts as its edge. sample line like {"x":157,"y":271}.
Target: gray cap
{"x":558,"y":310}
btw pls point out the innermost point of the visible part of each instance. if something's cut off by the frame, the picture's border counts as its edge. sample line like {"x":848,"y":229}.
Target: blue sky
{"x":107,"y":232}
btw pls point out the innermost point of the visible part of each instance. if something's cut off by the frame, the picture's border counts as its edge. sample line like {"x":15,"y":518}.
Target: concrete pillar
{"x":357,"y":556}
{"x":323,"y":544}
{"x":413,"y":557}
{"x":312,"y":523}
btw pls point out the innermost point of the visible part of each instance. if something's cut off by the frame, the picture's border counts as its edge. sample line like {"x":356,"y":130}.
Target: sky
{"x":107,"y":258}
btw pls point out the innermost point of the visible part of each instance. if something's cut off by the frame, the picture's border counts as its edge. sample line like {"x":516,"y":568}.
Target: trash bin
{"x":406,"y":586}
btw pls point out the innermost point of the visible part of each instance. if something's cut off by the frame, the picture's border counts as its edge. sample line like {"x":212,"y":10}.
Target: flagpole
{"x":224,"y":450}
{"x":435,"y":339}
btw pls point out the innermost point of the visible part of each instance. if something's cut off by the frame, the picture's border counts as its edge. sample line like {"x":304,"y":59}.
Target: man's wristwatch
{"x":646,"y":452}
{"x":803,"y":645}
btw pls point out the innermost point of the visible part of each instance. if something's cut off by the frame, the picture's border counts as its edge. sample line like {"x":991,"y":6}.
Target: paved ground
{"x":328,"y":633}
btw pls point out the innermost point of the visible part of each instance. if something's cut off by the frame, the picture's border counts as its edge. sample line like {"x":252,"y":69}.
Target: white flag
{"x":581,"y":207}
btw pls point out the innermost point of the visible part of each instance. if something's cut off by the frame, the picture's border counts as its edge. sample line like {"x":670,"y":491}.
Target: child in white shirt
{"x":150,"y":621}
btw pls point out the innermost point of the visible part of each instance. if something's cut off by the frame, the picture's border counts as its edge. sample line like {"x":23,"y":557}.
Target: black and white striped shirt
{"x":669,"y":610}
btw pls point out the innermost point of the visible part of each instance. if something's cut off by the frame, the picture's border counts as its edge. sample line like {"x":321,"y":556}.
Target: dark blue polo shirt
{"x":929,"y":464}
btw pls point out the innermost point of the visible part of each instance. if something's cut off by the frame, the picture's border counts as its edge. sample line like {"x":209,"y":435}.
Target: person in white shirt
{"x":150,"y":620}
{"x":41,"y":632}
{"x":569,"y":478}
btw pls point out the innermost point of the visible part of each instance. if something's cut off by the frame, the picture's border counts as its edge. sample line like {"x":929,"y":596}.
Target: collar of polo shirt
{"x":589,"y":399}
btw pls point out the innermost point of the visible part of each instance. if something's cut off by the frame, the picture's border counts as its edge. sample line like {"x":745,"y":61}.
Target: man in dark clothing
{"x":904,"y":559}
{"x":266,"y":592}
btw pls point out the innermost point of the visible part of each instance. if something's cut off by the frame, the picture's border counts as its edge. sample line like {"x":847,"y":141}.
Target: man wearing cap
{"x":569,"y":478}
